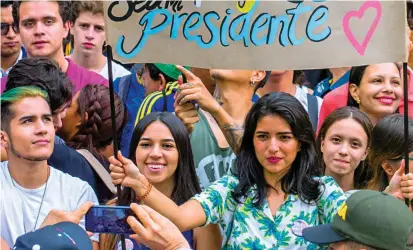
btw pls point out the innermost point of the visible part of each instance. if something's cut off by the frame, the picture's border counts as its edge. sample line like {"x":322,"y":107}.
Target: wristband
{"x":146,"y":193}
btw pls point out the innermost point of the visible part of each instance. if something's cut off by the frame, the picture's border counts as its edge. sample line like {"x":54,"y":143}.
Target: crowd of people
{"x":231,"y":159}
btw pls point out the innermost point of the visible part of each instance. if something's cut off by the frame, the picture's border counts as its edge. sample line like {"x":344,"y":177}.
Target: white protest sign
{"x":255,"y":34}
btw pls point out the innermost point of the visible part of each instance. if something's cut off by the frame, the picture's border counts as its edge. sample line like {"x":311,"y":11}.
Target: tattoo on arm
{"x":233,"y":133}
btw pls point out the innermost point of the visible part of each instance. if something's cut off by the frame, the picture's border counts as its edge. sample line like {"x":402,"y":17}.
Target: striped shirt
{"x":158,"y":101}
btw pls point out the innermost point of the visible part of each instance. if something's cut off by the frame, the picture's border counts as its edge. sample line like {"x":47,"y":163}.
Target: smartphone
{"x":108,"y":219}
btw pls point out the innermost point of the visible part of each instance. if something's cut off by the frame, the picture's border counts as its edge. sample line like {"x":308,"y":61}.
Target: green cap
{"x":169,"y":70}
{"x":370,"y":218}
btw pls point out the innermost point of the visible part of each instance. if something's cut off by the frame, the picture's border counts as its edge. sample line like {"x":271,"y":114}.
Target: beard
{"x":21,"y":156}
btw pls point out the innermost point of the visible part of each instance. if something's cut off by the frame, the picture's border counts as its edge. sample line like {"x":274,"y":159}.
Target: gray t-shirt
{"x":211,"y":161}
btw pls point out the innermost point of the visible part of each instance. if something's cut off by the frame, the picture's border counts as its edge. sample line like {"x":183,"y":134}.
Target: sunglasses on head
{"x":5,"y":27}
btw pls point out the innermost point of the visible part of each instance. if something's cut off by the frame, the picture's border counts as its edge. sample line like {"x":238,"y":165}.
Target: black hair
{"x":186,"y":180}
{"x":5,"y":4}
{"x":356,"y":75}
{"x":263,"y":81}
{"x":44,"y":74}
{"x":64,"y":10}
{"x":154,"y":73}
{"x":362,"y":173}
{"x":299,"y":179}
{"x":387,"y":143}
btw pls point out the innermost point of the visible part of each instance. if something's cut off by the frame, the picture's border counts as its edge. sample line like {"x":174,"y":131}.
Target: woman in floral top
{"x":272,"y":196}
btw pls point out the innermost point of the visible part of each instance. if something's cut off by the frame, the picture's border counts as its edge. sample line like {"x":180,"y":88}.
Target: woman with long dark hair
{"x":387,"y":150}
{"x":274,"y":193}
{"x":342,"y":144}
{"x":375,"y":89}
{"x":161,"y":149}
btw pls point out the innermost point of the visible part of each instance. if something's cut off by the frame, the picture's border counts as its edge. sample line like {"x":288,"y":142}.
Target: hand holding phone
{"x":109,"y":219}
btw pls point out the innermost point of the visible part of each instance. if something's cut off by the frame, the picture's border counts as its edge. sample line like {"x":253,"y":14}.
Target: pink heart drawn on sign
{"x":361,"y":48}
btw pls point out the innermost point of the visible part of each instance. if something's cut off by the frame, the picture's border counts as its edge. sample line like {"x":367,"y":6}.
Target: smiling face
{"x":89,"y":33}
{"x":41,"y":29}
{"x":344,"y":147}
{"x":31,"y":131}
{"x":380,"y":90}
{"x":275,"y":146}
{"x":157,"y":155}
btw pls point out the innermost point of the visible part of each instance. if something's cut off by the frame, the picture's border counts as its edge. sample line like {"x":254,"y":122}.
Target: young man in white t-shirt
{"x":88,"y":26}
{"x":29,"y":187}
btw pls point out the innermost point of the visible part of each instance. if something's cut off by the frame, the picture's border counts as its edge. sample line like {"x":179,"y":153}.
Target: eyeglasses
{"x":5,"y":27}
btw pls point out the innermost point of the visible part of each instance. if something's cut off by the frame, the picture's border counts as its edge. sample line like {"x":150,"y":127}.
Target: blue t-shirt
{"x":134,"y":98}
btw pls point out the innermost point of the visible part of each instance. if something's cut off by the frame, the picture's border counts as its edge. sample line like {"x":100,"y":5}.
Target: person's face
{"x":275,"y":146}
{"x":344,"y":147}
{"x":71,"y":120}
{"x":41,"y":28}
{"x":277,"y":74}
{"x":10,"y":42}
{"x":150,"y":84}
{"x":58,"y":116}
{"x":380,"y":90}
{"x":31,"y":135}
{"x":156,"y":154}
{"x":89,"y":33}
{"x":242,"y":77}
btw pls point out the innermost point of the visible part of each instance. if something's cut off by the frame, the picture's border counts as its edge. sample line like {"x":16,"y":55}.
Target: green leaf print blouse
{"x":248,"y":227}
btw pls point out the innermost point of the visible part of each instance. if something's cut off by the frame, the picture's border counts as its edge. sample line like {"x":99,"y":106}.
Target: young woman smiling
{"x":343,"y":142}
{"x":161,"y":149}
{"x":275,"y":191}
{"x":375,"y":89}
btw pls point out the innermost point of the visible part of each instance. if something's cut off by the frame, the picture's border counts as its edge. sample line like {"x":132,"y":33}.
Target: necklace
{"x":41,"y":203}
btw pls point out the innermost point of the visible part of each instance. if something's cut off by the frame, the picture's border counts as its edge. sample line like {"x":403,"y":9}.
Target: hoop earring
{"x":252,"y":83}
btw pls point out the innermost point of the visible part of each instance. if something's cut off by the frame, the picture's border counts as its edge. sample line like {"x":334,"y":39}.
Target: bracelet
{"x":146,"y":193}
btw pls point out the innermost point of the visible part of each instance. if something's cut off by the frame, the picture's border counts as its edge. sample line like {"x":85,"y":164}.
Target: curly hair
{"x":95,"y":131}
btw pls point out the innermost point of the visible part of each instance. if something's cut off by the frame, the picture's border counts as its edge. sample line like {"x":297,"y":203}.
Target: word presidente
{"x":262,"y":30}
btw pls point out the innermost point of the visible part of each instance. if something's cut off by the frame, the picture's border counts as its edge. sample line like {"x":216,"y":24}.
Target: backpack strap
{"x":124,"y":85}
{"x":313,"y":110}
{"x":98,"y":167}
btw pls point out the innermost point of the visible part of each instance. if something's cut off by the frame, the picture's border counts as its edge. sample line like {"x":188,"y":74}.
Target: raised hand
{"x":188,"y":114}
{"x":195,"y":90}
{"x":124,"y":172}
{"x":154,"y":230}
{"x":401,"y":185}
